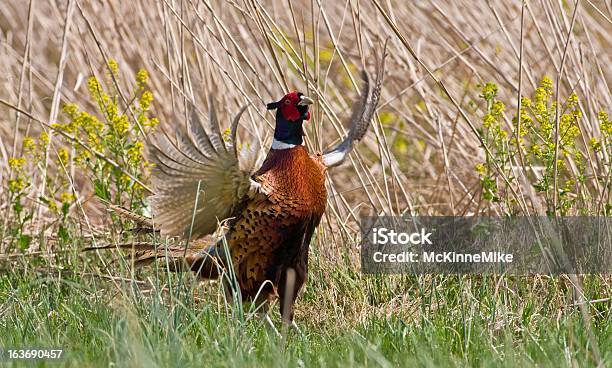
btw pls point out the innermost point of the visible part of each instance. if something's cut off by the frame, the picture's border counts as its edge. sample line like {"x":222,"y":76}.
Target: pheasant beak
{"x":305,"y":101}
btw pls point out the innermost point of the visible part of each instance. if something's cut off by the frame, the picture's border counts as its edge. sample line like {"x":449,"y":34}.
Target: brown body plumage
{"x":272,"y":233}
{"x":271,"y":212}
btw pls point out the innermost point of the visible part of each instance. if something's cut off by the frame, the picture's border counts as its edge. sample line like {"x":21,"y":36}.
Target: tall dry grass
{"x":422,"y":159}
{"x":420,"y":154}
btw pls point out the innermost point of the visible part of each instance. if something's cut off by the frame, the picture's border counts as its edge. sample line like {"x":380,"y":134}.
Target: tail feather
{"x":143,"y":224}
{"x":207,"y":263}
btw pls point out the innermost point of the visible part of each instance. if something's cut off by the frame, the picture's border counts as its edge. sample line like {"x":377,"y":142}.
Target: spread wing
{"x":200,"y":160}
{"x":361,"y":115}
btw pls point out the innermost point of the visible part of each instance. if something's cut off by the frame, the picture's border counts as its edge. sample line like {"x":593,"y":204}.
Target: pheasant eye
{"x":287,"y":102}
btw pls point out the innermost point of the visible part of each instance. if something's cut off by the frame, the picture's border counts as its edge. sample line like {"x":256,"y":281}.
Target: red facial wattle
{"x":291,"y":112}
{"x":288,"y":106}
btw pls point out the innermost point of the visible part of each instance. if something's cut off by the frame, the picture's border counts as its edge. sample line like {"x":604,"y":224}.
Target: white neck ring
{"x":278,"y":145}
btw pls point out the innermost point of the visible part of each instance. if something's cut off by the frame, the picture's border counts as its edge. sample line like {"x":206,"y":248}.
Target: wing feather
{"x":215,"y":137}
{"x":198,"y":135}
{"x":167,"y":151}
{"x":185,"y":145}
{"x":197,"y":160}
{"x":234,"y":129}
{"x":361,"y":116}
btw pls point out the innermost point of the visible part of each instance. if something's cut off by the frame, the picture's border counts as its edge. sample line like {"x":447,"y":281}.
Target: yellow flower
{"x":560,"y":164}
{"x":489,"y":91}
{"x":546,"y":129}
{"x":488,"y":121}
{"x":146,"y":99}
{"x":82,"y":157}
{"x":70,"y":110}
{"x":124,"y":180}
{"x":93,"y":140}
{"x":135,"y":152}
{"x":108,"y":106}
{"x":62,"y":155}
{"x":141,"y":78}
{"x":153,"y":122}
{"x":90,"y":123}
{"x":572,"y":101}
{"x":70,"y":128}
{"x":17,"y":185}
{"x":137,"y":187}
{"x":547,"y":84}
{"x":536,"y":150}
{"x":525,"y":102}
{"x":67,"y":198}
{"x":113,"y":67}
{"x":44,"y":139}
{"x":94,"y":87}
{"x":16,"y":163}
{"x":52,"y":206}
{"x":226,"y":134}
{"x":498,"y":108}
{"x":29,"y":144}
{"x":480,"y":169}
{"x":526,"y":123}
{"x":605,"y":124}
{"x":541,"y":96}
{"x":595,"y":145}
{"x":121,"y":124}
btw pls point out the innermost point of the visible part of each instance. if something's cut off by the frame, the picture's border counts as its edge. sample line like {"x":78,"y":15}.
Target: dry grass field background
{"x":428,"y":153}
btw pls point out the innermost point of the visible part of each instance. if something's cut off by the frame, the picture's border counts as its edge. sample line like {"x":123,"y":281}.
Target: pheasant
{"x":270,"y":213}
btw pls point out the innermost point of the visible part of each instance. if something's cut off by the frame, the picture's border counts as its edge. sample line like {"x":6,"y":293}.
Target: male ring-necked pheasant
{"x":272,"y":211}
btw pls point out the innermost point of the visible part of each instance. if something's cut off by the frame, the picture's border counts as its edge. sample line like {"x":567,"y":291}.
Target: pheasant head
{"x":291,"y":113}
